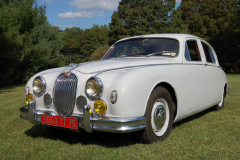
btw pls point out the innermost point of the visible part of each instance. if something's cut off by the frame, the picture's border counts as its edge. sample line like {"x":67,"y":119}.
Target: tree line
{"x":29,"y":44}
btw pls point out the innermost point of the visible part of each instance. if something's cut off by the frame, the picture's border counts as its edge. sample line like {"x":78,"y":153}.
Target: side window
{"x":192,"y":51}
{"x":208,"y":53}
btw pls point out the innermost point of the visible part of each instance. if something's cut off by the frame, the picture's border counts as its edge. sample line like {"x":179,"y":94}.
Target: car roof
{"x":174,"y":36}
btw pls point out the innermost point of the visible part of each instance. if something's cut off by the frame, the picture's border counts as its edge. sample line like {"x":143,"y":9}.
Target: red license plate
{"x":59,"y":121}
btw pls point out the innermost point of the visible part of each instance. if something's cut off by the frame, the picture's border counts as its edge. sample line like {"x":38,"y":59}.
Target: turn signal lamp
{"x":100,"y":106}
{"x":113,"y":97}
{"x":29,"y":98}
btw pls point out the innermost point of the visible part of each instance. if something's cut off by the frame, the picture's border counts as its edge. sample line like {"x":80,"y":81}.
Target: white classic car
{"x":142,"y":83}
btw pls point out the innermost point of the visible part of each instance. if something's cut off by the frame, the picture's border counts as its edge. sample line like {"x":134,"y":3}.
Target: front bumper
{"x":88,"y":122}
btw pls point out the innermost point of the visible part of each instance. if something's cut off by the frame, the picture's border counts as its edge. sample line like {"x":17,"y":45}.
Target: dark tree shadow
{"x":109,"y":140}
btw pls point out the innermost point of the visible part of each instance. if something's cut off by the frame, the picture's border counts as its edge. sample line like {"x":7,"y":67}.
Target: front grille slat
{"x":65,"y":89}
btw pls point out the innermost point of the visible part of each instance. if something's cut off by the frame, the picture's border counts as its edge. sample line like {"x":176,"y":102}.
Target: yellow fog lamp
{"x":100,"y":106}
{"x":29,"y":98}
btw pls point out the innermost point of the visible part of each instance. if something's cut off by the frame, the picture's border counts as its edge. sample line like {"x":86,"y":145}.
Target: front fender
{"x":135,"y":85}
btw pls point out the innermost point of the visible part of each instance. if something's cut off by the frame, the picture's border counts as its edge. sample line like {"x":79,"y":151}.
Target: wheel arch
{"x":172,"y":92}
{"x":225,"y":89}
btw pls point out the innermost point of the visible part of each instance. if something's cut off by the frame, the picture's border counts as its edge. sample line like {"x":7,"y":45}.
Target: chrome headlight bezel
{"x":36,"y":89}
{"x":97,"y":84}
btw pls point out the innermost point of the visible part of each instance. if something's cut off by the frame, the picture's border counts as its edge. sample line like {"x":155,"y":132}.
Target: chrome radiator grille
{"x":65,"y":89}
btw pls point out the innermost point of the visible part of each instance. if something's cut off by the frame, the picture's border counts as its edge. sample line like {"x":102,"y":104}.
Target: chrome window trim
{"x":196,"y":40}
{"x":211,"y":54}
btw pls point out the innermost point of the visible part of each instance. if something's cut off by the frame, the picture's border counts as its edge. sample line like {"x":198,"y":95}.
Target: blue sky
{"x":80,"y":13}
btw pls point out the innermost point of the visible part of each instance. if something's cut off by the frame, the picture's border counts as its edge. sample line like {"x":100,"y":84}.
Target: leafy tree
{"x":92,"y":38}
{"x":41,"y":51}
{"x":28,"y":43}
{"x":227,"y":43}
{"x":207,"y":18}
{"x":176,"y":24}
{"x":72,"y":38}
{"x":99,"y":52}
{"x":138,"y":17}
{"x":80,"y":44}
{"x":11,"y":40}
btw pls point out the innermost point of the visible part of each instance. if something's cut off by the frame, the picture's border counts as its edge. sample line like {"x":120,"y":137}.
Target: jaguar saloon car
{"x":143,"y":83}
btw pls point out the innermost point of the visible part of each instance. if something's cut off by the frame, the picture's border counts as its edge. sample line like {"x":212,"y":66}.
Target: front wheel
{"x":159,"y":116}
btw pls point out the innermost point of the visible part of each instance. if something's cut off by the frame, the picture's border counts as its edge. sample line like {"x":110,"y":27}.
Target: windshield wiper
{"x":161,"y":53}
{"x":133,"y":54}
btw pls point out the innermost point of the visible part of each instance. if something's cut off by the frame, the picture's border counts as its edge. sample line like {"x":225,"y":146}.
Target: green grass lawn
{"x":207,"y":135}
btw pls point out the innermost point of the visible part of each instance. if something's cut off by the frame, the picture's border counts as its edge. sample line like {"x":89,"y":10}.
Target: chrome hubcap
{"x":159,"y":117}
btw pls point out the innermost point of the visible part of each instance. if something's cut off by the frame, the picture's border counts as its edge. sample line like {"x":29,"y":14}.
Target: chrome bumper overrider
{"x":88,"y":122}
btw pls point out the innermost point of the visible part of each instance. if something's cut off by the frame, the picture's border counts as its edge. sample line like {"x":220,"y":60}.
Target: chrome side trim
{"x":200,"y":63}
{"x":125,"y":67}
{"x":87,"y":119}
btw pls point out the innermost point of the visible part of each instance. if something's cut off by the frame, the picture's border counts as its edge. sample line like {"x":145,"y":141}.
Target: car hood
{"x":121,"y":63}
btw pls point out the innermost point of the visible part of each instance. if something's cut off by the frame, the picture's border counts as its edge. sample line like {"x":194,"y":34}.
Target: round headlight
{"x":39,"y":86}
{"x":94,"y":88}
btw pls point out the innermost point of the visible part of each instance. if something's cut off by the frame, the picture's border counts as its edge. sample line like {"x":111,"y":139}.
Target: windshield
{"x":144,"y":47}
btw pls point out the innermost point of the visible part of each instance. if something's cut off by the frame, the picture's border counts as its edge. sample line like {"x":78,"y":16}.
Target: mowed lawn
{"x":207,"y":135}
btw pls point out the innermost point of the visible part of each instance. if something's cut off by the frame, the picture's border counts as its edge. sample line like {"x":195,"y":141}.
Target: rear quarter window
{"x":208,"y":53}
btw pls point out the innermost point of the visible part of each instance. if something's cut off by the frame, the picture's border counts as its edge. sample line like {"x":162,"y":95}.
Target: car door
{"x":198,"y":75}
{"x":216,"y":85}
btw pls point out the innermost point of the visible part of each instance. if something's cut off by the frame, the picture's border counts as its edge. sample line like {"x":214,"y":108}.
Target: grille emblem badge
{"x":66,"y":74}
